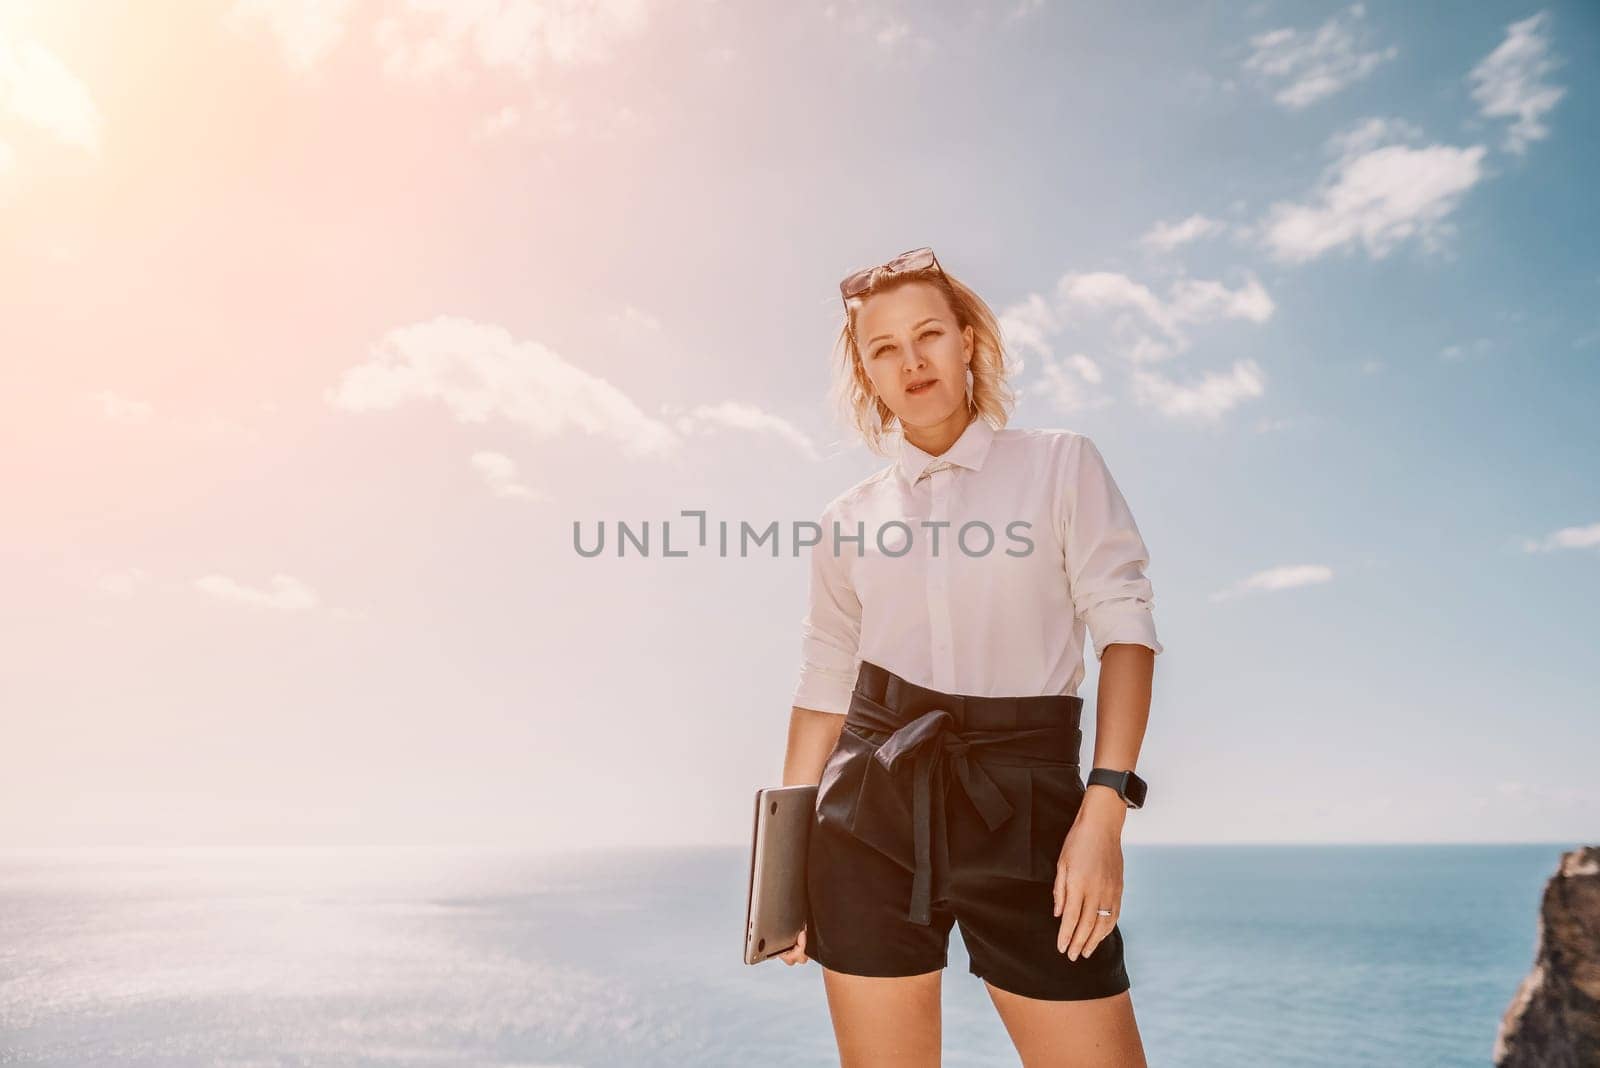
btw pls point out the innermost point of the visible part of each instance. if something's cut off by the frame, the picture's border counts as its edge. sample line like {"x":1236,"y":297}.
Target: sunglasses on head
{"x":858,"y":282}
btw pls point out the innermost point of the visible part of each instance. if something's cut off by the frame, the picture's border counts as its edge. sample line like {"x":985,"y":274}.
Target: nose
{"x":913,"y":360}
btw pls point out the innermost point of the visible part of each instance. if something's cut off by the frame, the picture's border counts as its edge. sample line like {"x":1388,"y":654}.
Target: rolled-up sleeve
{"x":1105,"y":556}
{"x":830,"y":631}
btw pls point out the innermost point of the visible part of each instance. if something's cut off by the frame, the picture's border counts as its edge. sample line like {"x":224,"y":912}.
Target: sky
{"x":323,"y":325}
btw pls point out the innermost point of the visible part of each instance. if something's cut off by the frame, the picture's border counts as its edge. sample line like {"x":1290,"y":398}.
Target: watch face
{"x":1126,"y":783}
{"x":1134,"y":790}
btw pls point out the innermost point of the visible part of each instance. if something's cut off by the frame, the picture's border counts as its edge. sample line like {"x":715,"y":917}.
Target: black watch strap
{"x":1129,"y":786}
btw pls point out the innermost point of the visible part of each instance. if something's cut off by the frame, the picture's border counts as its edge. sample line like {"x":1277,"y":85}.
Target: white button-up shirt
{"x":919,"y":586}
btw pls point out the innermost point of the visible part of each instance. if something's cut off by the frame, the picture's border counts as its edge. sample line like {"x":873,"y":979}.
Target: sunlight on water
{"x":1293,"y":956}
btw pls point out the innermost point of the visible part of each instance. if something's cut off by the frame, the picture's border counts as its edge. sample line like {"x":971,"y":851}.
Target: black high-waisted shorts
{"x":938,"y":808}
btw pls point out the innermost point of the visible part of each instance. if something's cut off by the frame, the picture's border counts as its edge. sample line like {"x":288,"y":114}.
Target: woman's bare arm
{"x":1122,"y":711}
{"x":1089,"y":870}
{"x":812,"y":736}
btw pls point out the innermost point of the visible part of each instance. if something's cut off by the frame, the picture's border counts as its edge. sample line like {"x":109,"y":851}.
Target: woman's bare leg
{"x":890,"y":1022}
{"x":1093,"y":1033}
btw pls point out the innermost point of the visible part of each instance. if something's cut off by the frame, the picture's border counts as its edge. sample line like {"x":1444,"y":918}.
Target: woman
{"x":937,"y":709}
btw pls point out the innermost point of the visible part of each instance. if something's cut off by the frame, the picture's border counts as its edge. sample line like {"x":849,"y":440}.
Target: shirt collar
{"x":968,"y":451}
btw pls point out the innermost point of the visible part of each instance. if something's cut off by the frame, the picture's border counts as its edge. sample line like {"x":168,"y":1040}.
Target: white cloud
{"x":708,"y":418}
{"x":1370,"y":133}
{"x":632,"y":316}
{"x":1200,"y":300}
{"x":478,"y":371}
{"x":429,"y":39}
{"x":1209,"y":397}
{"x":884,"y":28}
{"x":425,"y":40}
{"x":1144,"y":328}
{"x":37,"y":88}
{"x":288,"y":594}
{"x":1566,"y":538}
{"x":1069,"y":384}
{"x":306,"y":31}
{"x":1148,"y":329}
{"x":1085,"y":368}
{"x":1276,"y":579}
{"x":499,"y":473}
{"x":122,"y":409}
{"x":1374,"y":197}
{"x":1309,"y":67}
{"x":1108,"y":290}
{"x":1168,"y":236}
{"x":1027,"y":326}
{"x":1509,"y":81}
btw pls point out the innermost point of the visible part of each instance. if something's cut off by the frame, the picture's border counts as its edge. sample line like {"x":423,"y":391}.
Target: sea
{"x":1286,"y":955}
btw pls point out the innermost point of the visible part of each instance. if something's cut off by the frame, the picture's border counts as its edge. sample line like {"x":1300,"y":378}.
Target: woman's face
{"x":908,"y":338}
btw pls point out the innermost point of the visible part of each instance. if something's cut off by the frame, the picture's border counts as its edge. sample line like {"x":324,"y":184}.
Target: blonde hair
{"x":989,"y":396}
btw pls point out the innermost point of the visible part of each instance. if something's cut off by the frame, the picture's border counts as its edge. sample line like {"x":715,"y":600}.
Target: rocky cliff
{"x":1554,"y":1019}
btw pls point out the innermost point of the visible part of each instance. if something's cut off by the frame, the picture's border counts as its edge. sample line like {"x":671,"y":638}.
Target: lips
{"x":917,"y":388}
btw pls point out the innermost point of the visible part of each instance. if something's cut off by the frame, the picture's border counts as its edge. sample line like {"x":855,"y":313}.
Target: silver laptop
{"x":775,"y":900}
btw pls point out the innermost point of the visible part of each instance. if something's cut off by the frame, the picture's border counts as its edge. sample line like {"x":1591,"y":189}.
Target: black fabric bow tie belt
{"x":934,"y":743}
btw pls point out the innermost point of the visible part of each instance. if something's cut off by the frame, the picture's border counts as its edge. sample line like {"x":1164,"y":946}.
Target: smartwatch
{"x":1128,"y":786}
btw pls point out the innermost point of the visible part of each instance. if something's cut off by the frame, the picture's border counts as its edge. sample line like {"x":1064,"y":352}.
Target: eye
{"x":891,"y":347}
